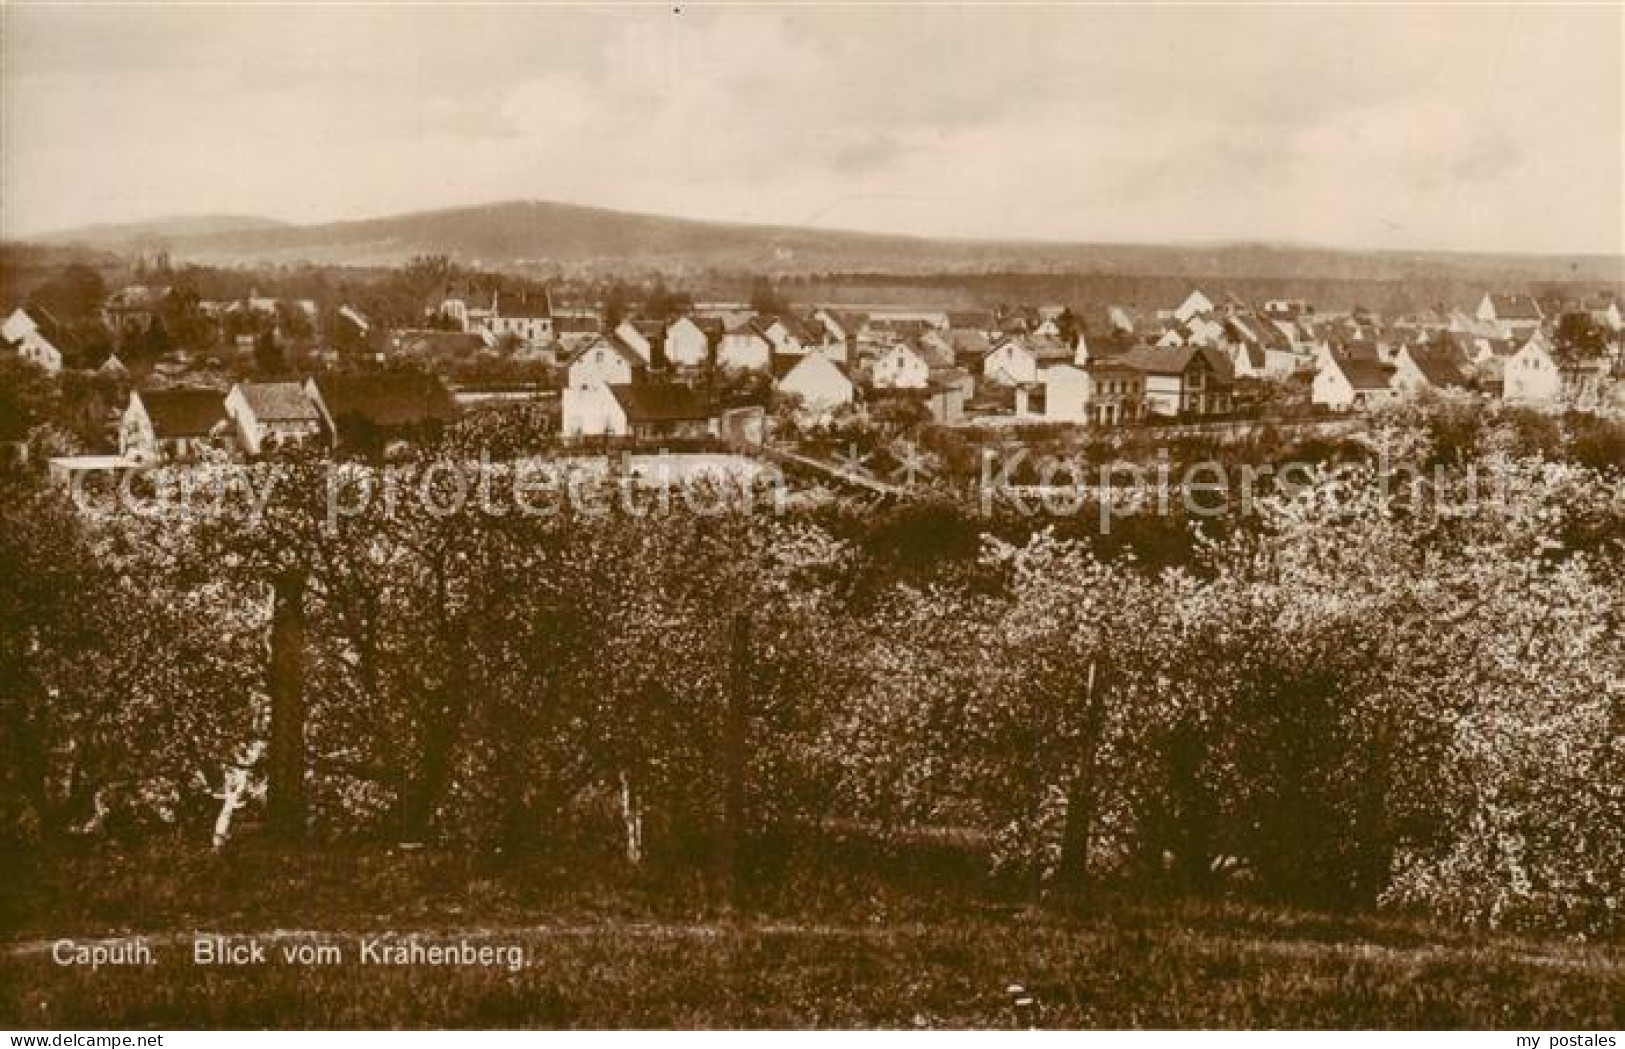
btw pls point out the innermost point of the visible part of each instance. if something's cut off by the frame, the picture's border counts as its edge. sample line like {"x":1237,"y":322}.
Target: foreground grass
{"x":823,"y":952}
{"x":943,"y":975}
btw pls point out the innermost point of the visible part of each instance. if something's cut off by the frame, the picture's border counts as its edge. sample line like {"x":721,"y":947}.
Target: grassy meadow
{"x":893,"y":940}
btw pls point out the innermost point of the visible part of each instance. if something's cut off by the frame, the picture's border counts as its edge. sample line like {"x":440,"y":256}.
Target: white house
{"x":837,"y":328}
{"x":1510,"y":313}
{"x":1105,"y":395}
{"x":790,"y":336}
{"x":1344,"y":383}
{"x":36,"y":336}
{"x":1010,"y":363}
{"x":268,"y":415}
{"x":636,"y":410}
{"x":1066,"y":394}
{"x":819,"y":382}
{"x":1531,"y":375}
{"x":604,"y":360}
{"x":900,"y":368}
{"x":1418,"y":368}
{"x":1204,"y":331}
{"x":1194,"y":305}
{"x":526,"y":318}
{"x":172,"y":424}
{"x":591,"y":411}
{"x":687,"y":345}
{"x":1605,"y":311}
{"x":745,"y":347}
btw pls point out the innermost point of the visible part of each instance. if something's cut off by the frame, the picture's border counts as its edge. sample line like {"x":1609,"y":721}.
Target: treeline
{"x":1150,"y":289}
{"x":1356,"y":700}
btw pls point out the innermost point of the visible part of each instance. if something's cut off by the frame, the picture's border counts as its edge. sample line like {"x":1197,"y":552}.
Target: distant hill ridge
{"x":528,"y":234}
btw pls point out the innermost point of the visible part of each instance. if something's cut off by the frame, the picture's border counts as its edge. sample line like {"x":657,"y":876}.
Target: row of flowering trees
{"x":1360,"y":697}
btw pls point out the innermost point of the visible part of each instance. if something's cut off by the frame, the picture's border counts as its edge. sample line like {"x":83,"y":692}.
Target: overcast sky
{"x":1469,"y":128}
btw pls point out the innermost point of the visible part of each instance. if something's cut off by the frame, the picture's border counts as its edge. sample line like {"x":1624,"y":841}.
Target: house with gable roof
{"x":1531,"y":375}
{"x":34,"y":335}
{"x":900,"y":367}
{"x":272,"y":415}
{"x":820,"y":383}
{"x":744,"y":346}
{"x":606,"y":359}
{"x":1182,"y":380}
{"x":1431,"y":367}
{"x":180,"y":423}
{"x":1511,"y":314}
{"x":1345,"y":382}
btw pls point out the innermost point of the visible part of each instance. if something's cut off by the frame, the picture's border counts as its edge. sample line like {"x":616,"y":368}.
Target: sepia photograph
{"x":820,"y":517}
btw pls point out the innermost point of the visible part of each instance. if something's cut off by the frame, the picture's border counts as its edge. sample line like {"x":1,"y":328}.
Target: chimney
{"x":657,"y":351}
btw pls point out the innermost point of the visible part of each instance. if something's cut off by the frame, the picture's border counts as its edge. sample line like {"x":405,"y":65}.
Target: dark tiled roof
{"x":448,"y":343}
{"x":968,"y":342}
{"x":183,"y":412}
{"x":1515,"y":307}
{"x":747,"y":326}
{"x":537,"y":306}
{"x":1046,"y":348}
{"x":49,"y":328}
{"x":283,"y":401}
{"x":971,"y":320}
{"x":935,"y":352}
{"x":660,"y":402}
{"x":900,"y":325}
{"x":713,"y":327}
{"x":784,"y":363}
{"x":1175,"y":360}
{"x":1441,"y":365}
{"x":389,"y":399}
{"x":1364,"y":374}
{"x":572,"y":325}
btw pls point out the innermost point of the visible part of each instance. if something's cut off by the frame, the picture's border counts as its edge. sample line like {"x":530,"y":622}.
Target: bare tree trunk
{"x":439,"y":731}
{"x":1083,"y":793}
{"x":286,"y":803}
{"x":517,"y":733}
{"x":440,"y":726}
{"x":734,"y":756}
{"x":234,"y":791}
{"x":632,"y":817}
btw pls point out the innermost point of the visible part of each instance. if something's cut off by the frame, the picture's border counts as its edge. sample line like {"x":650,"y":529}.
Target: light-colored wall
{"x":1066,"y":394}
{"x":1531,"y":376}
{"x":685,"y":344}
{"x":818,"y":383}
{"x":900,"y":368}
{"x":592,"y":411}
{"x":1164,"y":394}
{"x":19,"y":327}
{"x":1010,"y":363}
{"x":599,"y":364}
{"x":744,"y":351}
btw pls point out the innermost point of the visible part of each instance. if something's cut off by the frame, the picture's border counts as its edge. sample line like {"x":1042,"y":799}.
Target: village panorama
{"x":848,"y":594}
{"x":812,"y":517}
